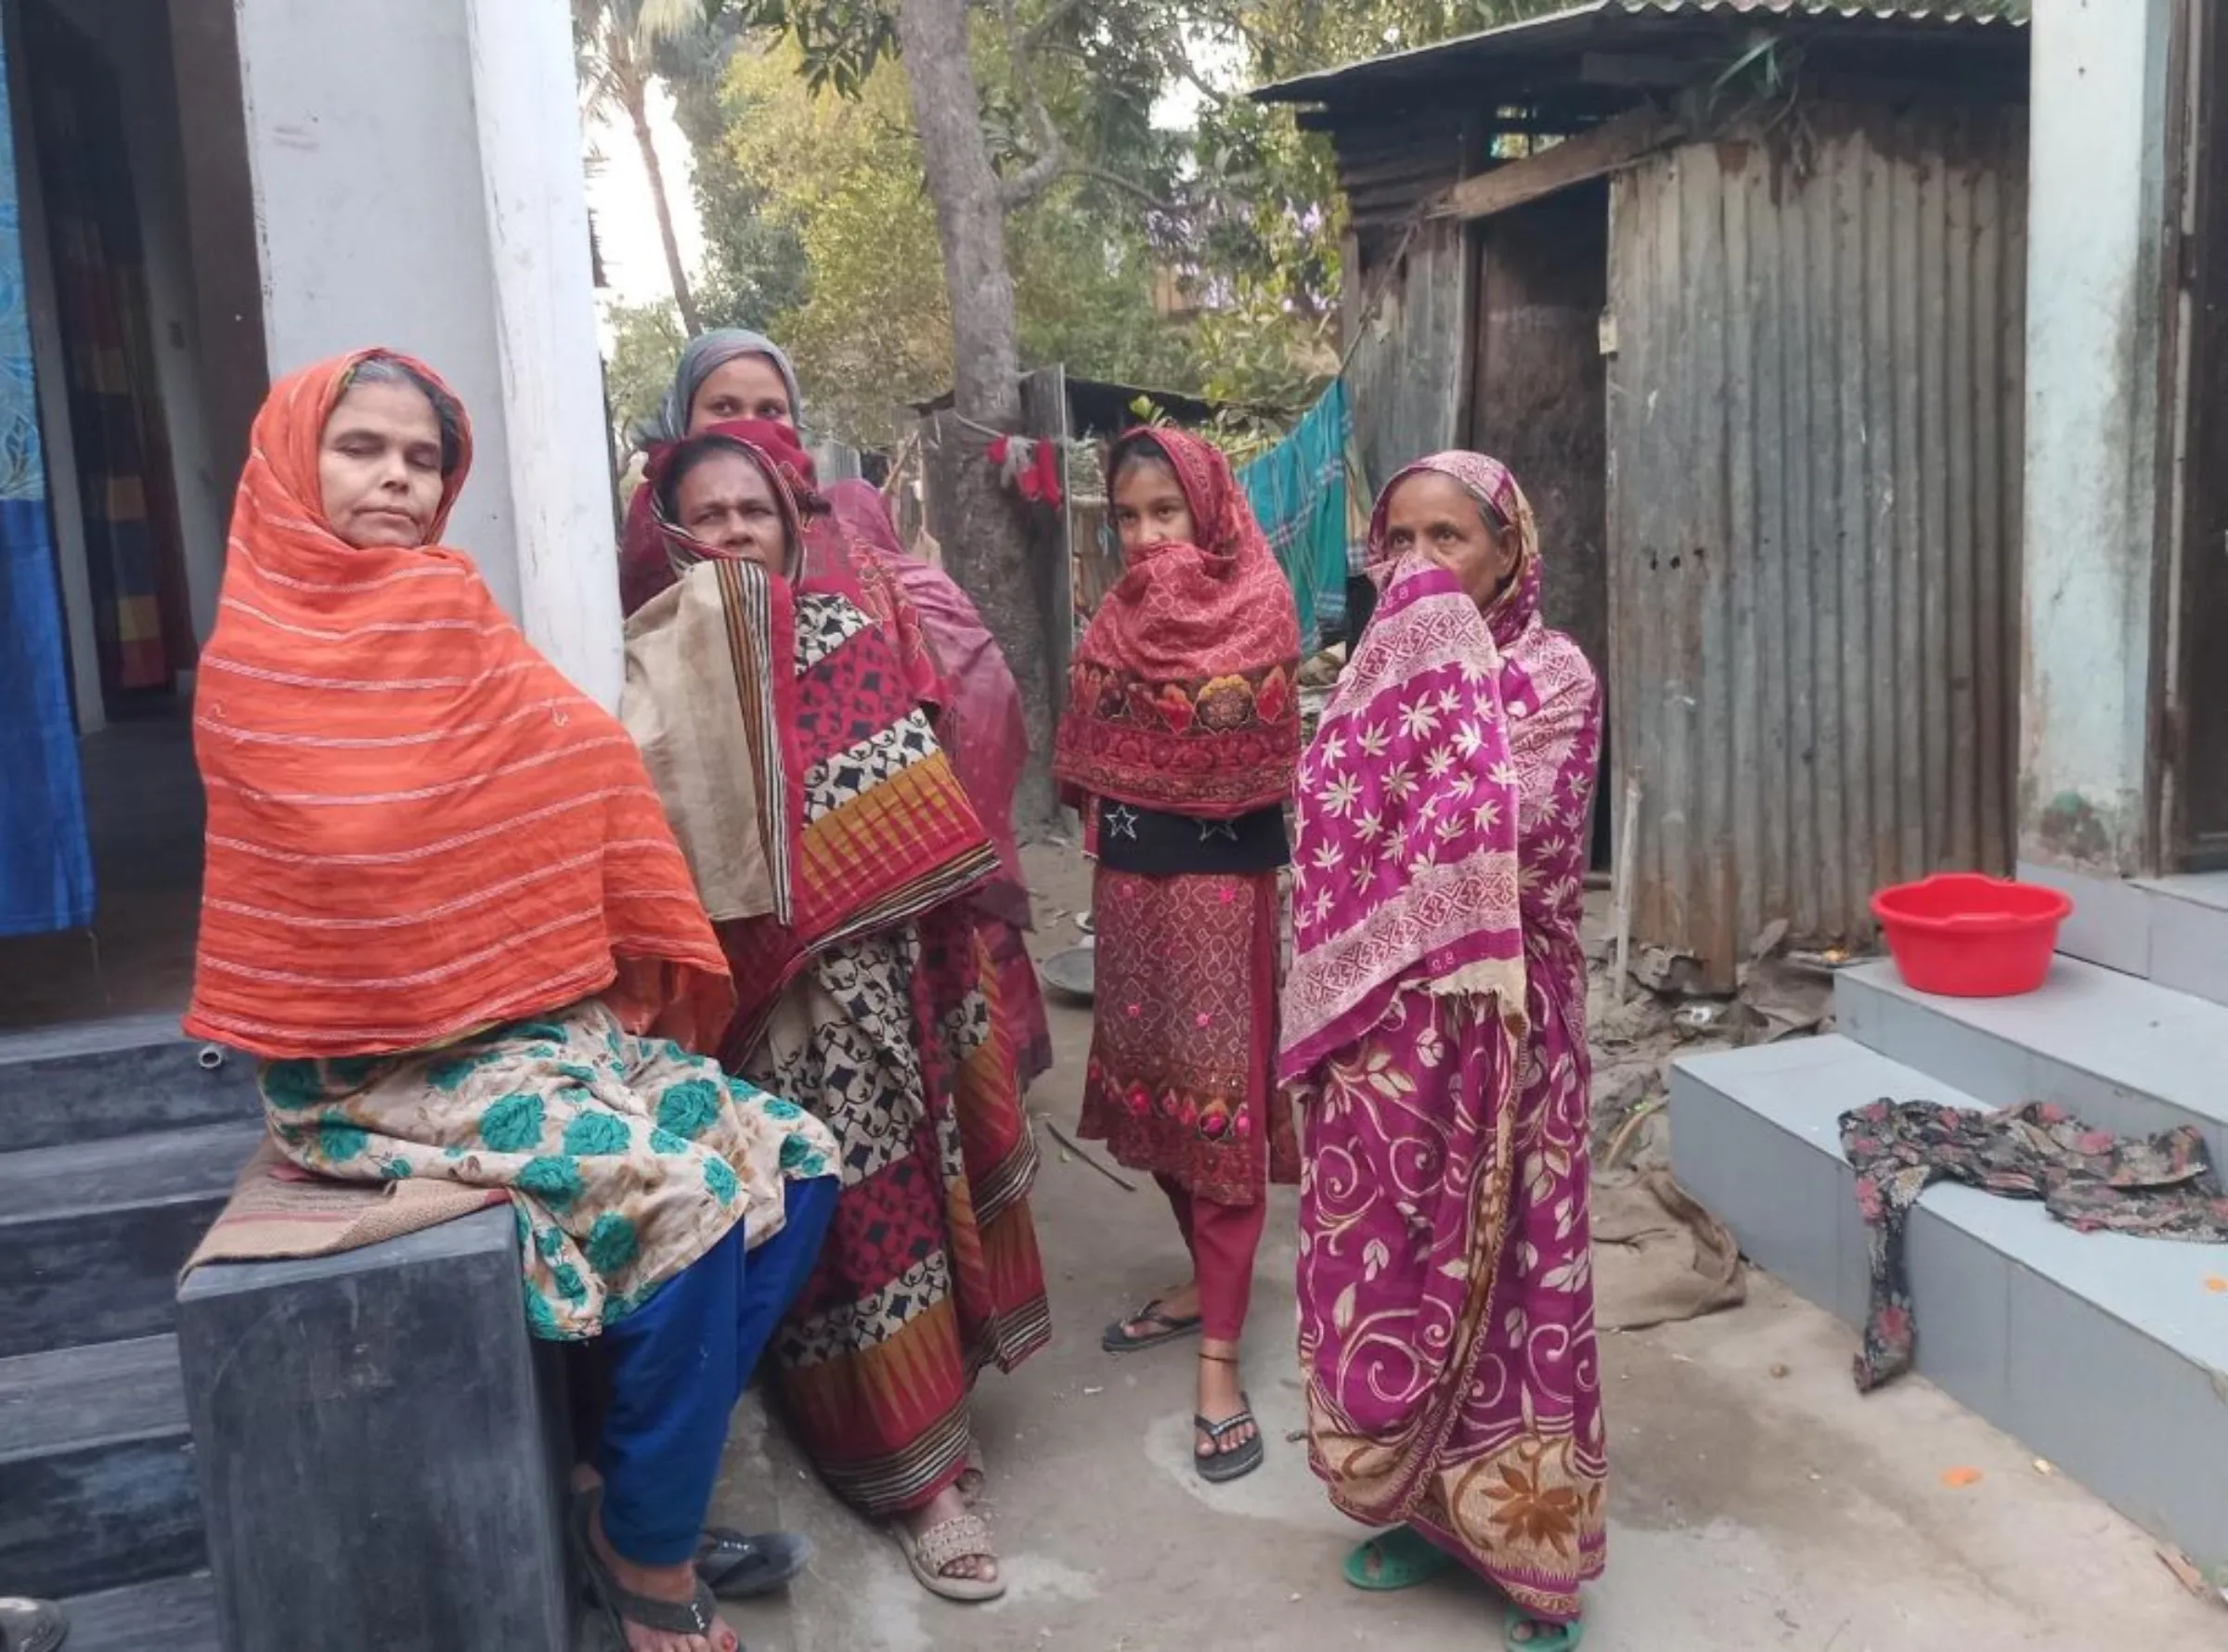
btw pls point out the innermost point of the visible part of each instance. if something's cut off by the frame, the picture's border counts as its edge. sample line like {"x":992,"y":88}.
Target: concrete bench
{"x":381,"y":1448}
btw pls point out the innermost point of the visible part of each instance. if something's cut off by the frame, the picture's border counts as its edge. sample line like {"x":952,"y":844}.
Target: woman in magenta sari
{"x":1434,"y":1032}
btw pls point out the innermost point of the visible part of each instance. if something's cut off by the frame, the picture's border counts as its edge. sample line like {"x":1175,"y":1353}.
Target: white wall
{"x":2096,"y":238}
{"x":365,"y":148}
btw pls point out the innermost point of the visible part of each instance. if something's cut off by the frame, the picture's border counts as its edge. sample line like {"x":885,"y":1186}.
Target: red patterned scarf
{"x":1182,"y":694}
{"x":884,"y":831}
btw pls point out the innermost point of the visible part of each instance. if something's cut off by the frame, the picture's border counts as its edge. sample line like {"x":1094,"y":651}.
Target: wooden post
{"x":1621,"y":881}
{"x":536,"y":197}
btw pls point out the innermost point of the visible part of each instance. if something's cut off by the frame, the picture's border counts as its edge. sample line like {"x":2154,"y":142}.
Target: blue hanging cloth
{"x":1298,"y":491}
{"x":45,"y":856}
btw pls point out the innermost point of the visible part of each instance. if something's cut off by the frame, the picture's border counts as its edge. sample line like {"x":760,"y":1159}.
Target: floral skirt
{"x":626,"y":1159}
{"x":1184,"y":1032}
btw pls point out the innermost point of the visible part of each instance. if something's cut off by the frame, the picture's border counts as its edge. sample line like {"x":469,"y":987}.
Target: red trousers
{"x":1222,"y":1239}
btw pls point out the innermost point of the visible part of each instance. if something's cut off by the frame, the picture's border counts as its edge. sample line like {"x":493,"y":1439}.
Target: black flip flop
{"x":740,"y":1565}
{"x":1116,"y":1339}
{"x":697,"y":1616}
{"x":1217,"y":1466}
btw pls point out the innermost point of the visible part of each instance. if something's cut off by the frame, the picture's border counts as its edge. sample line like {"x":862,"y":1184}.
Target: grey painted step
{"x":92,"y":1235}
{"x":2189,"y":935}
{"x":115,"y":1077}
{"x":377,"y":1444}
{"x":2125,"y":1054}
{"x":168,"y":1615}
{"x":97,"y":1482}
{"x":2171,"y":931}
{"x":2105,"y":1353}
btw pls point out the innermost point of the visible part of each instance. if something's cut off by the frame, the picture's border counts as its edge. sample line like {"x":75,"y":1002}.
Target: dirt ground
{"x":1758,"y":1501}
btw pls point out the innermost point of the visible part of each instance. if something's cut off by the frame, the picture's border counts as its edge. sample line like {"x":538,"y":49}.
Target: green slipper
{"x":1536,"y":1634}
{"x":1400,"y":1559}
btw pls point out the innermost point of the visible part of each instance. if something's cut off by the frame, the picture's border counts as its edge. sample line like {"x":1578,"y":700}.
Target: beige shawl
{"x":723,"y":776}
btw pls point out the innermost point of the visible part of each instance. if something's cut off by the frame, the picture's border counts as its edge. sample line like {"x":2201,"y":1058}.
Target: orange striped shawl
{"x":417,"y":826}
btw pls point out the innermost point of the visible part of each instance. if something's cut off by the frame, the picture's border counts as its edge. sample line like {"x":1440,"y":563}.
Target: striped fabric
{"x":889,"y":833}
{"x":417,"y":826}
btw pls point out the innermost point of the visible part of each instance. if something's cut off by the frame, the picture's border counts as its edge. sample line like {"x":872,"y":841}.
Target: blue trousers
{"x":679,"y":1363}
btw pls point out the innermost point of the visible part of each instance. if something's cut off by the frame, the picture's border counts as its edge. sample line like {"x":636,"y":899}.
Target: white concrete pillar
{"x":537,"y":202}
{"x":2097,"y":228}
{"x":365,"y":150}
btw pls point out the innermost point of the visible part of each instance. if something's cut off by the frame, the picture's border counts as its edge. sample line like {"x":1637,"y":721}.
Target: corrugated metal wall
{"x":1409,"y":372}
{"x":1815,"y":442}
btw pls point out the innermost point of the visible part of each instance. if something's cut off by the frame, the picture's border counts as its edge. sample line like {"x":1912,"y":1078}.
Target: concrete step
{"x":2170,"y":931}
{"x":96,"y":1479}
{"x":92,"y":1235}
{"x":117,"y":1077}
{"x":168,"y":1615}
{"x":2189,"y":935}
{"x":2105,"y":1353}
{"x":2126,"y":1054}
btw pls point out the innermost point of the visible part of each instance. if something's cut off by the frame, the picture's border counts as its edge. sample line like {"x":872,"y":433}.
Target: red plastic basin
{"x":1959,"y":934}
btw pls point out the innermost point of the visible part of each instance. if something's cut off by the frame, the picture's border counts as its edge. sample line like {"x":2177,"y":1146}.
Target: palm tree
{"x":615,"y":40}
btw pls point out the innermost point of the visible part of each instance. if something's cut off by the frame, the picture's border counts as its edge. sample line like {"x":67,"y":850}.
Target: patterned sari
{"x":875,"y":1003}
{"x":980,"y":723}
{"x":1435,"y":1037}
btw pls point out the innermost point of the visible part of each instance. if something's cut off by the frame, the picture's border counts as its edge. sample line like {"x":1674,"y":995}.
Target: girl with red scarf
{"x":1178,"y":744}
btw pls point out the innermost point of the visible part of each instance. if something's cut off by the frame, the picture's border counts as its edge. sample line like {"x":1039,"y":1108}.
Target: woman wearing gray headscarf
{"x":728,"y":373}
{"x":724,"y":375}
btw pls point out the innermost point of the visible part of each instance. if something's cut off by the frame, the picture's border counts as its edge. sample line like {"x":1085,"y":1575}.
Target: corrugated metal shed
{"x":1815,"y":437}
{"x":1809,"y":545}
{"x":1410,"y":367}
{"x":1866,"y":37}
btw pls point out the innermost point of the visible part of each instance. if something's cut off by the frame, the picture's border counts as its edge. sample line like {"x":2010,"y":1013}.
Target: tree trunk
{"x":635,"y":94}
{"x":984,"y":529}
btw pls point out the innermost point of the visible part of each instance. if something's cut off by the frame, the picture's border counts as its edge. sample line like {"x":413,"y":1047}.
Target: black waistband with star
{"x":1163,"y":845}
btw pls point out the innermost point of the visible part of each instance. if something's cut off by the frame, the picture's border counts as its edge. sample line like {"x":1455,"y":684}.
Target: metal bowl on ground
{"x":1072,"y":973}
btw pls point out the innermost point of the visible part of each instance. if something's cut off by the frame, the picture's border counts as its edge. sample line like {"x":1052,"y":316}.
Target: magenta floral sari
{"x":1435,"y":1039}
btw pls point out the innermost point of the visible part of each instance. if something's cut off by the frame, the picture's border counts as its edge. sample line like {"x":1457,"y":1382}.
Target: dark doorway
{"x":2196,"y":731}
{"x":1539,"y":403}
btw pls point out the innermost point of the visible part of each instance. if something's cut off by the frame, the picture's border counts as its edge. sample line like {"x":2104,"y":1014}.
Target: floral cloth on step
{"x":2091,"y":1180}
{"x":627,"y":1158}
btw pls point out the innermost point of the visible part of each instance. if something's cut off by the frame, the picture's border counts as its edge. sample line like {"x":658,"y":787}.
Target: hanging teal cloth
{"x":1298,"y":491}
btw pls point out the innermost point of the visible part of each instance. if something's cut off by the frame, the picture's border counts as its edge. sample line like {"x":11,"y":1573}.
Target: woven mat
{"x":279,"y":1210}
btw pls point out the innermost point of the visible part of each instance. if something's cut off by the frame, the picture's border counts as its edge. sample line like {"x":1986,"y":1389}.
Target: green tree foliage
{"x":1205,"y":261}
{"x":645,"y":346}
{"x":855,"y":287}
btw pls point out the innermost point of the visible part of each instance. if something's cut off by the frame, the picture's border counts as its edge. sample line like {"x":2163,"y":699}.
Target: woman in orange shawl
{"x":867,"y":987}
{"x":443,"y":905}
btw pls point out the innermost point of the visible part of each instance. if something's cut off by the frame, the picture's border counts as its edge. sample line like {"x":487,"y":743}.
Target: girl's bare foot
{"x":676,"y":1583}
{"x":949,"y":1504}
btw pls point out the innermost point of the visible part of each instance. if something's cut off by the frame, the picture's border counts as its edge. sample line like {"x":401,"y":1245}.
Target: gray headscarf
{"x":704,"y":356}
